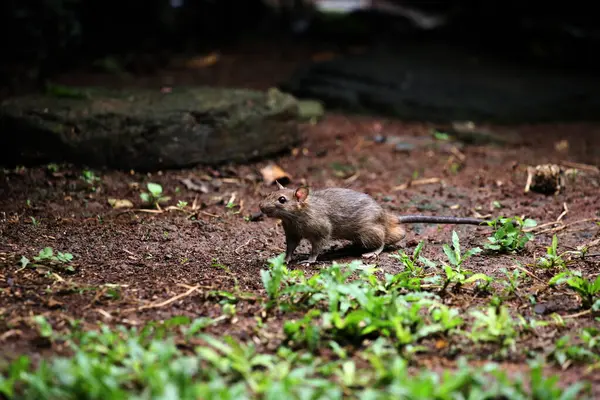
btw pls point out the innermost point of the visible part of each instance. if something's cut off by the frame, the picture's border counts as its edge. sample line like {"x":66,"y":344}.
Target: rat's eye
{"x":282,"y":199}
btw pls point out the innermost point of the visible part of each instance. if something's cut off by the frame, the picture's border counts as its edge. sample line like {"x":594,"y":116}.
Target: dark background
{"x":41,"y":38}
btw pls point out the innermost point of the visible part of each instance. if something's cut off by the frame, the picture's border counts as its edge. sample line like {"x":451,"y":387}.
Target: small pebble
{"x":379,"y":139}
{"x":539,"y":308}
{"x":404,"y":147}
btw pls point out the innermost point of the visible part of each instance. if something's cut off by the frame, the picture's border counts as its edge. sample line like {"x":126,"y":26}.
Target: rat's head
{"x":284,"y":203}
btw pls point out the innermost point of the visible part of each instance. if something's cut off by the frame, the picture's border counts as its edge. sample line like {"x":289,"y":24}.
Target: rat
{"x":340,"y":213}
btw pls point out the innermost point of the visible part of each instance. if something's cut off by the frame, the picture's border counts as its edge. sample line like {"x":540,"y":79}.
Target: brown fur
{"x":334,"y":213}
{"x":337,"y":213}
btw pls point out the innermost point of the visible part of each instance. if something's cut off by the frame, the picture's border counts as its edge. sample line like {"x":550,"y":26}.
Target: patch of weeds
{"x":552,"y":258}
{"x":512,"y":281}
{"x":454,"y":271}
{"x":566,"y":351}
{"x":123,"y":363}
{"x":154,"y":196}
{"x":47,"y":258}
{"x":53,"y":167}
{"x":416,"y":263}
{"x":588,"y":290}
{"x":44,"y":328}
{"x":348,"y":303}
{"x":343,"y":170}
{"x":454,"y":254}
{"x":57,"y":90}
{"x":495,"y":325}
{"x":228,"y":297}
{"x":90,"y":178}
{"x":509,"y":235}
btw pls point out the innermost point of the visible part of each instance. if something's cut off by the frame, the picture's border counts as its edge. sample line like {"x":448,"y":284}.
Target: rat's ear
{"x":279,"y":185}
{"x":301,"y":193}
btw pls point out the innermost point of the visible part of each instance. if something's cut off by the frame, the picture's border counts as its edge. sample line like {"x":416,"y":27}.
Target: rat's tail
{"x":431,"y":219}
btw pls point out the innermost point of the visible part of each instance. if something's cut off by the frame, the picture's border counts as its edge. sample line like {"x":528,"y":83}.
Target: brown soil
{"x":150,"y":255}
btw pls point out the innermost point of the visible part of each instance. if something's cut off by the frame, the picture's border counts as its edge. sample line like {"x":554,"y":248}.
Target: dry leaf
{"x":562,"y":145}
{"x":197,"y":187}
{"x":273,"y":172}
{"x":202,"y":62}
{"x":120,"y":203}
{"x":52,"y":303}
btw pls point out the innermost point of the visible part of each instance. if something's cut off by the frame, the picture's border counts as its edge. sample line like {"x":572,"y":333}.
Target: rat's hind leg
{"x":372,"y":238}
{"x":317,"y":246}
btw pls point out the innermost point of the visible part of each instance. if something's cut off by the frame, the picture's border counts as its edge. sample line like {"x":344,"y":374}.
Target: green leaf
{"x":478,"y":277}
{"x":450,"y":254}
{"x":45,"y":254}
{"x":24,"y":261}
{"x":155,"y":189}
{"x":559,"y":278}
{"x":529,"y":223}
{"x":428,"y":262}
{"x":145,"y":197}
{"x":417,"y":250}
{"x":44,"y":326}
{"x":456,"y":244}
{"x":471,"y":252}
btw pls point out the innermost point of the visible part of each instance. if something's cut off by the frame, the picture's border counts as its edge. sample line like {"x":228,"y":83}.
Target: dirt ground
{"x":149,"y":256}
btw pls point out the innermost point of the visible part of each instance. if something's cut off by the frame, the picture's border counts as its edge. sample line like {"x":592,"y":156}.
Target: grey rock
{"x":147,"y":130}
{"x":444,"y":83}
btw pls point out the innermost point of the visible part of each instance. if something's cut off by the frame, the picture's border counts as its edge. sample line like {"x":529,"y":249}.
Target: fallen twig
{"x":579,"y":314}
{"x":564,"y":226}
{"x":424,"y":181}
{"x":245,"y":244}
{"x":562,"y":214}
{"x":517,"y":266}
{"x":171,"y":300}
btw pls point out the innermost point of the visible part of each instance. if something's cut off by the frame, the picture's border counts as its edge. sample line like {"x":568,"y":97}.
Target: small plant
{"x":154,"y":196}
{"x":272,"y":278}
{"x":455,"y":257}
{"x":34,"y":221}
{"x":89,"y":177}
{"x":182,"y":204}
{"x":47,"y":258}
{"x":496,"y":325}
{"x":454,"y":271}
{"x":566,"y":352}
{"x":414,"y":264}
{"x":52,"y":167}
{"x":509,"y":235}
{"x":588,"y":290}
{"x":513,"y":279}
{"x":552,"y":258}
{"x":462,"y":277}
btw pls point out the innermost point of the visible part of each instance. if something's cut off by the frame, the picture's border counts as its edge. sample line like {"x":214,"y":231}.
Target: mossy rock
{"x":147,"y":130}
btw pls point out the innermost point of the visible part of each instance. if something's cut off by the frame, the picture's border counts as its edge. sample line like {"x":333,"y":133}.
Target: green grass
{"x":350,"y":331}
{"x":147,"y":364}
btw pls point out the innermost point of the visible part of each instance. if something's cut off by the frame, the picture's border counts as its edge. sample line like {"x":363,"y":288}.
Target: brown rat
{"x":338,"y":213}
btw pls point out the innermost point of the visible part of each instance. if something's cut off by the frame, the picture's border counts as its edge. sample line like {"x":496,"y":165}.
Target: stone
{"x":147,"y":130}
{"x":443,"y":83}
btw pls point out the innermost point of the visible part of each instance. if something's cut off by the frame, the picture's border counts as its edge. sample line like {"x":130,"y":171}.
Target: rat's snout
{"x":264,"y":207}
